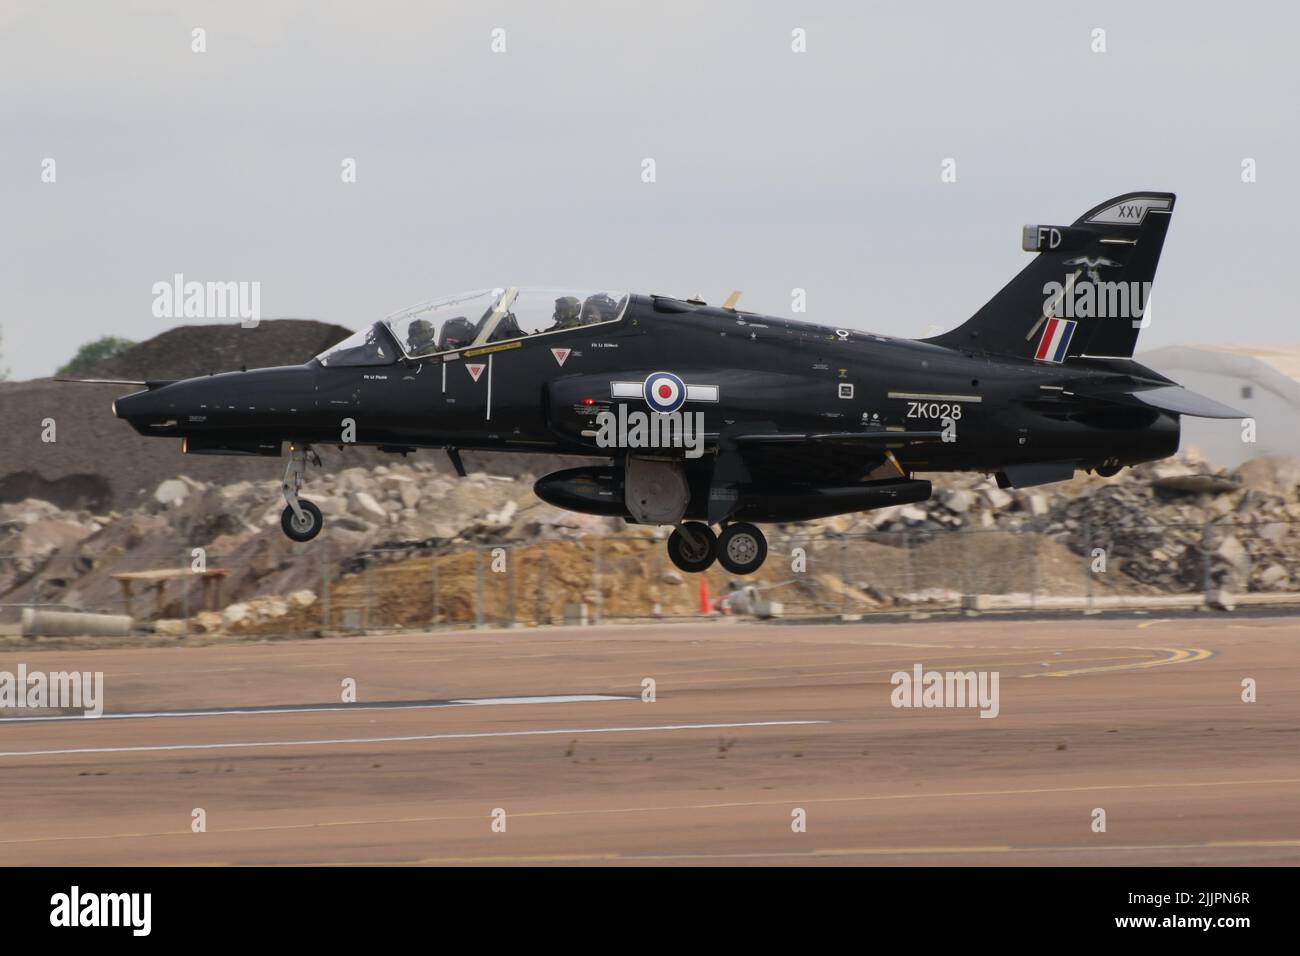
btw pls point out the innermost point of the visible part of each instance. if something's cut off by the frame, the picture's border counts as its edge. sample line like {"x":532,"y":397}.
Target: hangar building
{"x":1262,"y":381}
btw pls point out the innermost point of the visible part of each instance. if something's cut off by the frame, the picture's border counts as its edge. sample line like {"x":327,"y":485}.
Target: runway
{"x":542,"y":747}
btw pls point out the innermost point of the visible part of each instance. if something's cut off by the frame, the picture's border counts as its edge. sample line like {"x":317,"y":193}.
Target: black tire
{"x":1109,"y":470}
{"x":289,"y":521}
{"x":742,"y":548}
{"x":689,"y":555}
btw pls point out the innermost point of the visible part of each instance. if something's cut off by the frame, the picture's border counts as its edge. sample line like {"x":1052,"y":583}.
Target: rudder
{"x":1086,"y":291}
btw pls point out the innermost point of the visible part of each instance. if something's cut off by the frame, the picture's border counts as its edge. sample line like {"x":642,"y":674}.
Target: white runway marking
{"x":405,"y":739}
{"x":561,"y":699}
{"x":326,"y":708}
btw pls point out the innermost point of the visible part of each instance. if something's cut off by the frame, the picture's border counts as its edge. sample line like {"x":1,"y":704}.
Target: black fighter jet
{"x":716,"y":417}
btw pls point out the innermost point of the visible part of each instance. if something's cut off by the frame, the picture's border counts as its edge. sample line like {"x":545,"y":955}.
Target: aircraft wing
{"x":1167,"y":398}
{"x":878,"y":438}
{"x":1174,"y":398}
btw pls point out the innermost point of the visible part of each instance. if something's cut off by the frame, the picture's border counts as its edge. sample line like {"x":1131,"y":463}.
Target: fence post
{"x":510,"y":585}
{"x":1241,"y":583}
{"x":433,"y":575}
{"x":966,"y":585}
{"x":185,"y":595}
{"x":907,"y":562}
{"x":1088,"y":558}
{"x":1033,"y":582}
{"x":324,"y":590}
{"x":596,"y":571}
{"x":844,"y":576}
{"x":541,"y":586}
{"x":1207,"y":539}
{"x":370,"y":590}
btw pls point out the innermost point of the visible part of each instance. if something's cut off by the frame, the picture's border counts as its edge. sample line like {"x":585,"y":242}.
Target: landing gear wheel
{"x":305,"y":528}
{"x":693,"y":547}
{"x":1108,"y":469}
{"x":742,"y":548}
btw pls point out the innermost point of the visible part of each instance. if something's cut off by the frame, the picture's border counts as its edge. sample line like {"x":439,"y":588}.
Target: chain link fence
{"x":312,"y":589}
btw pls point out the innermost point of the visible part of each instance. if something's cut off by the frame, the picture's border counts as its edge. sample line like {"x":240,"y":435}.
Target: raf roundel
{"x":664,"y":392}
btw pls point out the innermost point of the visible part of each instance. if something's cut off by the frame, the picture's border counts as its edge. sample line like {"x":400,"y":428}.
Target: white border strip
{"x":157,"y":748}
{"x":694,"y":393}
{"x":929,"y":397}
{"x":324,"y":708}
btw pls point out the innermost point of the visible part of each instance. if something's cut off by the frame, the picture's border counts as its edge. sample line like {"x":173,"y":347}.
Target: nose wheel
{"x":301,"y":520}
{"x":742,"y":548}
{"x":304,"y":527}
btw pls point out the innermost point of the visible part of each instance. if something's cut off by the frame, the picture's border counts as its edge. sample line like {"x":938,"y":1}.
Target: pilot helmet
{"x":599,"y":307}
{"x":567,"y":308}
{"x":421,"y":335}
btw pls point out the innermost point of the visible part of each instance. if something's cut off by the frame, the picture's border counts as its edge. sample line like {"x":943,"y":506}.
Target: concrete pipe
{"x":39,"y":623}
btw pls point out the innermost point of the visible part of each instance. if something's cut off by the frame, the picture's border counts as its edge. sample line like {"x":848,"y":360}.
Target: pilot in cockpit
{"x":598,"y":308}
{"x":422,"y":337}
{"x":457,"y":333}
{"x":567,"y":312}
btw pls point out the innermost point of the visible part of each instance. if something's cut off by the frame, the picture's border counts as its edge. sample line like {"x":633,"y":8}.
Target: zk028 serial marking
{"x":939,"y":410}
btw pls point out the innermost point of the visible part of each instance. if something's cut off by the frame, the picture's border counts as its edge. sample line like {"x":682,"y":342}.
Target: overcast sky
{"x":775,"y":169}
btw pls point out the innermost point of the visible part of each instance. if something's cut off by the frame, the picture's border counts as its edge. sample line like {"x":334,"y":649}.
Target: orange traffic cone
{"x":706,"y":606}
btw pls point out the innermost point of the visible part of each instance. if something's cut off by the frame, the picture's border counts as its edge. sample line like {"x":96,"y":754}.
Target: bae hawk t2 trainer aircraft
{"x":716,"y":417}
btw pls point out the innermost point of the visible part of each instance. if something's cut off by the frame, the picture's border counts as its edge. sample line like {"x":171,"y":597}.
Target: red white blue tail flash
{"x":1055,"y":341}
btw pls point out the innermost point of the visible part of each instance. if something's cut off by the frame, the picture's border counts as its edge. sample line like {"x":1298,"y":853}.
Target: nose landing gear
{"x":301,"y":520}
{"x":693,"y":547}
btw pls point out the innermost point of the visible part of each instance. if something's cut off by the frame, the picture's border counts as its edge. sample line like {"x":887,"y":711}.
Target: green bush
{"x":92,"y":353}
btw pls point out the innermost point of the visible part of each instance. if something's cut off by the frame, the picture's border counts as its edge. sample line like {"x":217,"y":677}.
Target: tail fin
{"x":1086,"y":291}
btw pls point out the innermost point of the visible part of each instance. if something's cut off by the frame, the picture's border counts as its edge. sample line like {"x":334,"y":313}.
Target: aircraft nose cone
{"x":146,"y":412}
{"x":130,"y":406}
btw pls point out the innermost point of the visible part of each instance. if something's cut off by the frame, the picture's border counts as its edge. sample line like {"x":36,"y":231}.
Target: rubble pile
{"x":1161,"y":527}
{"x":67,"y":557}
{"x":1244,"y":539}
{"x":242,"y":616}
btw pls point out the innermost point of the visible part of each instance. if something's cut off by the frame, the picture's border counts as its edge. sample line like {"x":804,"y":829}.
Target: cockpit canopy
{"x":475,"y":319}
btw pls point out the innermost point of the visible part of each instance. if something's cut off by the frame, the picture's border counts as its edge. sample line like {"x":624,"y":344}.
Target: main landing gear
{"x":741,"y":548}
{"x":301,"y":520}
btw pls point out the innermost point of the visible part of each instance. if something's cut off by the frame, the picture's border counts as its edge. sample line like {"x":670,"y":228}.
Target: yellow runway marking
{"x":827,"y":852}
{"x":1001,"y":848}
{"x":790,"y":675}
{"x":459,"y":818}
{"x":1177,"y":655}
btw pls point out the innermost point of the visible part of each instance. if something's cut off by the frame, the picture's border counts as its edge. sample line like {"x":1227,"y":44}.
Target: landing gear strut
{"x":741,"y":548}
{"x":301,"y":520}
